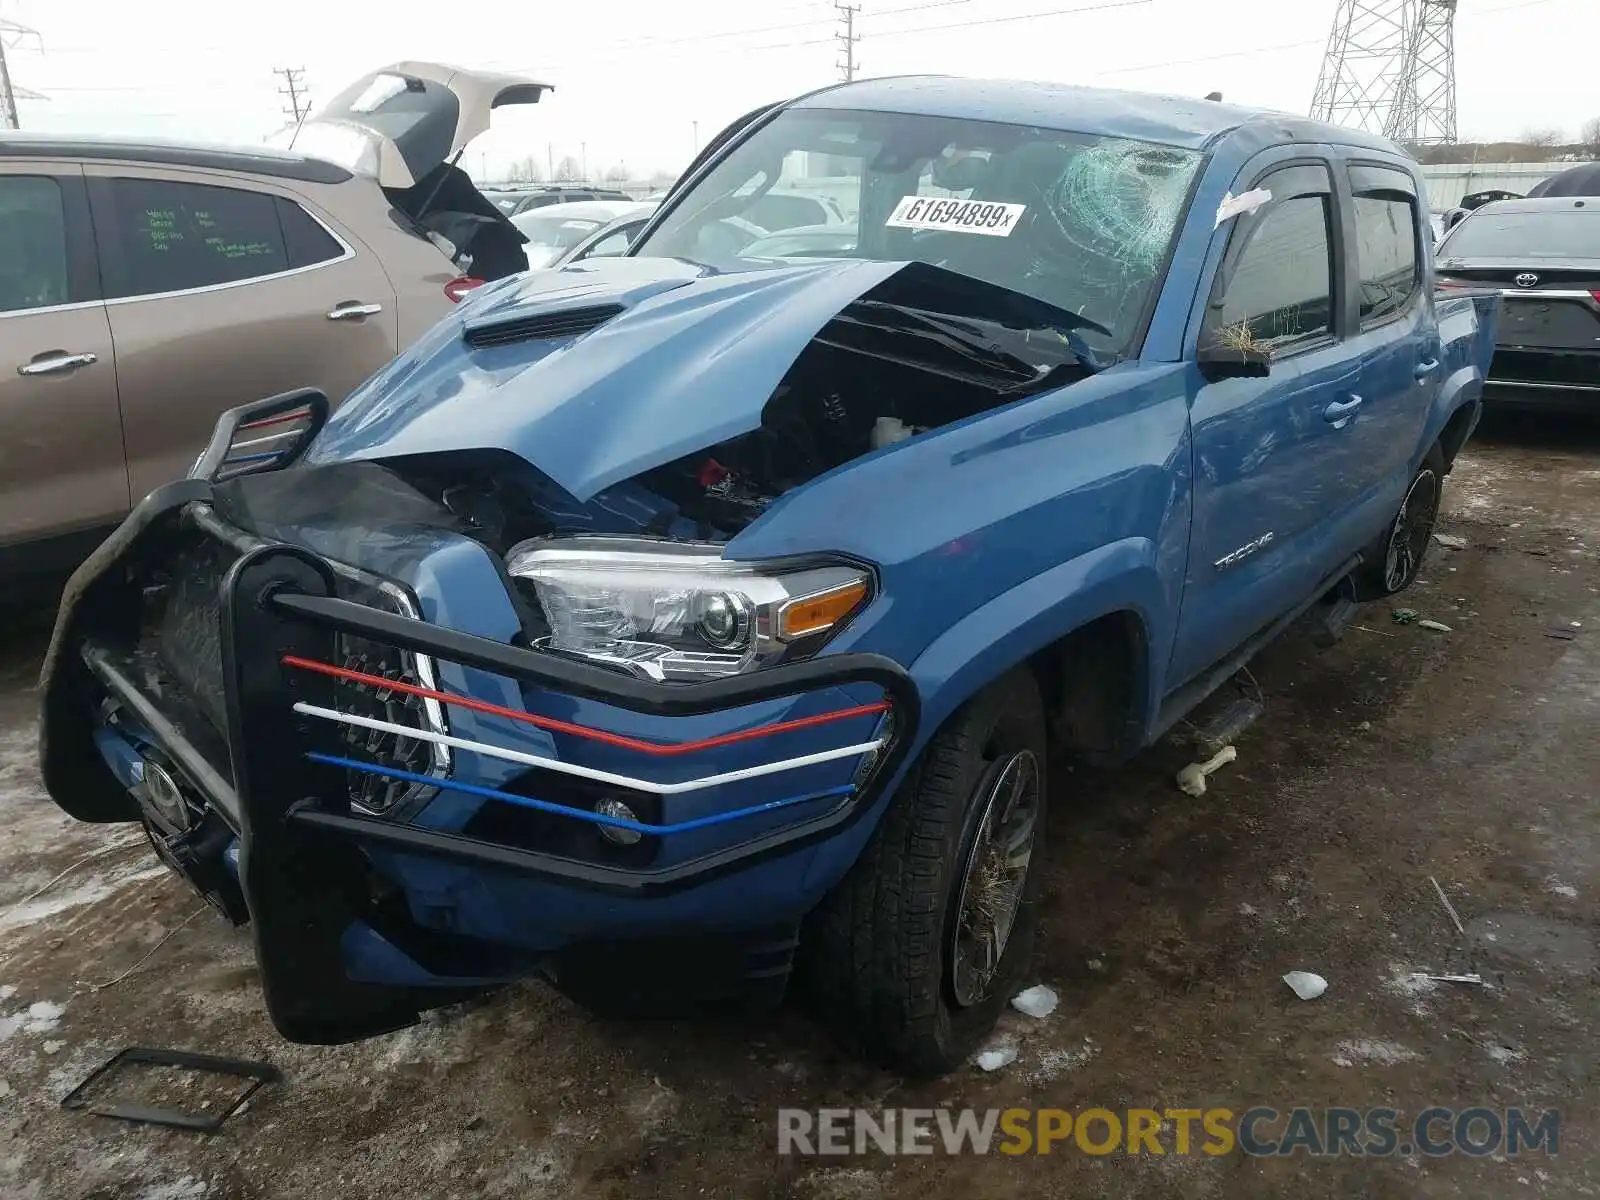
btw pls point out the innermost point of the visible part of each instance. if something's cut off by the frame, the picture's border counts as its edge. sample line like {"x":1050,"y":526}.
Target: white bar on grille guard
{"x":550,"y":764}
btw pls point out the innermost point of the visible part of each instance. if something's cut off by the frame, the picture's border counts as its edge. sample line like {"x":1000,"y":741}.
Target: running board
{"x":1183,"y":701}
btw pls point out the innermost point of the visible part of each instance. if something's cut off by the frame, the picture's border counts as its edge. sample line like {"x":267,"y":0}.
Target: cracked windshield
{"x":1080,"y":222}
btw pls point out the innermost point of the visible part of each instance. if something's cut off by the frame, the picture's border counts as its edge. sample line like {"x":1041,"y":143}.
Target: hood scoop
{"x":572,"y":322}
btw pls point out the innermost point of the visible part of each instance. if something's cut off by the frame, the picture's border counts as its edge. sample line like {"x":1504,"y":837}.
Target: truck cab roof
{"x":1186,"y":121}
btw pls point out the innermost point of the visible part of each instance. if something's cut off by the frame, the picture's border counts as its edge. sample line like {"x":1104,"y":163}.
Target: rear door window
{"x":33,"y":244}
{"x":175,"y":237}
{"x":1388,"y":223}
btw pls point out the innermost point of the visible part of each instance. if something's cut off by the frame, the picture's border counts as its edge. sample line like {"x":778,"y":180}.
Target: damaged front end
{"x":461,"y":685}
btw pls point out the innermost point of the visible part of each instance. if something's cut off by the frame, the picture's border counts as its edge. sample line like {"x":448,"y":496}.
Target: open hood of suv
{"x":399,"y":123}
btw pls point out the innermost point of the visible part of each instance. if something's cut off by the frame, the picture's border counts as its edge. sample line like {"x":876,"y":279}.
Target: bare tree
{"x":568,"y":168}
{"x":1543,"y":139}
{"x":615,"y":174}
{"x":1589,"y":136}
{"x":525,"y":170}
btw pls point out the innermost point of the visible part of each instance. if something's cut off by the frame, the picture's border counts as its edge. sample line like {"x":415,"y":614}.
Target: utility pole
{"x":294,"y":89}
{"x":847,"y":39}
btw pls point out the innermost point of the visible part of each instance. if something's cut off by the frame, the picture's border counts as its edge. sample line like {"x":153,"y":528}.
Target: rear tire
{"x":1395,"y":559}
{"x":899,"y":958}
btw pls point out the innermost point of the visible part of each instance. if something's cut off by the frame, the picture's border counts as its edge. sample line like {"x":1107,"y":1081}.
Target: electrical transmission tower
{"x":294,"y":90}
{"x":1391,"y":69}
{"x":11,"y":36}
{"x":847,"y":39}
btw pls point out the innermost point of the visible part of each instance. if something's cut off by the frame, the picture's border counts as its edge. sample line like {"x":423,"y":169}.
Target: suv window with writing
{"x":176,"y":236}
{"x":1281,"y":288}
{"x":1386,"y":252}
{"x":33,"y":243}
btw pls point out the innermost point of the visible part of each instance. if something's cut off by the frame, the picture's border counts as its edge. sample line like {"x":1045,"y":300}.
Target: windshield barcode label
{"x":992,"y":219}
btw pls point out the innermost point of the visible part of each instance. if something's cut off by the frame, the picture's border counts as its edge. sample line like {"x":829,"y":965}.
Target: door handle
{"x":352,"y":310}
{"x":1336,"y":414}
{"x":55,"y":362}
{"x":1426,"y":367}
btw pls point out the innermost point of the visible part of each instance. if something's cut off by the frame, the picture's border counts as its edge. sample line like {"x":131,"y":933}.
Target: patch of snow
{"x":188,"y":1188}
{"x":844,"y":1183}
{"x":999,"y":1056}
{"x":1369,"y":1050}
{"x":1407,"y":984}
{"x":7,"y":991}
{"x":1564,"y":890}
{"x":1504,"y":1054}
{"x":96,"y":886}
{"x":1054,"y":1063}
{"x":1038,"y":1002}
{"x":1305,"y":984}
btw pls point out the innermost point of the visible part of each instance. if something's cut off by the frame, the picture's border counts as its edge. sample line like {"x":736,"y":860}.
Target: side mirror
{"x":1225,"y":362}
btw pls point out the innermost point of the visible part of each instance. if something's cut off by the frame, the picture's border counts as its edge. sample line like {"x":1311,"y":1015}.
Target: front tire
{"x":911,"y":959}
{"x":1396,"y":558}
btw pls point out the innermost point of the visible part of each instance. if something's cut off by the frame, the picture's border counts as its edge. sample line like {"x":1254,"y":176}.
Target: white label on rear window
{"x":990,"y":218}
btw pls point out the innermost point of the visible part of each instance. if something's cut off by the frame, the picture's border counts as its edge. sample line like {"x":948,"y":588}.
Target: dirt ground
{"x":1469,"y":756}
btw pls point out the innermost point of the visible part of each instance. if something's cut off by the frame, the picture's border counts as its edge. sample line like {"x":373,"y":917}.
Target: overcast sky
{"x":632,"y":79}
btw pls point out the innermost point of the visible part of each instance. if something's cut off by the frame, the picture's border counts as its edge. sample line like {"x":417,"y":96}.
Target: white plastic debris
{"x":1450,"y":541}
{"x":1192,"y":779}
{"x":5,"y":1089}
{"x":1436,"y":626}
{"x":1037,"y":1002}
{"x":1306,"y":985}
{"x":1473,"y":979}
{"x":993,"y":1060}
{"x":1238,"y":206}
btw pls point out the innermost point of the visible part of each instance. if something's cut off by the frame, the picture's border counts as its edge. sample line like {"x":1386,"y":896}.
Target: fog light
{"x":165,"y":796}
{"x":619,"y":810}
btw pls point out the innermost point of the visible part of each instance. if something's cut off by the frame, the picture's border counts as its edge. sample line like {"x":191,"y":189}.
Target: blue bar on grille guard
{"x":564,"y":810}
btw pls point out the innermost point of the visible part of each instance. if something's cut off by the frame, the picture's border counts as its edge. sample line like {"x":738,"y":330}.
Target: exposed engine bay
{"x":882,"y":371}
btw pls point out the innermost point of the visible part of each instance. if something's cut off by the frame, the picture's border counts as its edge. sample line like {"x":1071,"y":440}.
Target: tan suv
{"x":147,"y":287}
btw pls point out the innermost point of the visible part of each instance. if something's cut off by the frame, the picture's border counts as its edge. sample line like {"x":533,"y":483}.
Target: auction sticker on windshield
{"x":990,"y":218}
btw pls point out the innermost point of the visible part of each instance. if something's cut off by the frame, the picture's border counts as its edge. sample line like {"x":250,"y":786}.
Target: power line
{"x":294,"y":89}
{"x":1032,"y":16}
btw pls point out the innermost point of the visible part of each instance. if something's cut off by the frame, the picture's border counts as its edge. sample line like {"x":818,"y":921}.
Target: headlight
{"x":682,"y":612}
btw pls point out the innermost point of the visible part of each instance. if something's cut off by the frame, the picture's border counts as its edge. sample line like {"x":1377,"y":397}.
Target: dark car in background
{"x":1544,"y":256}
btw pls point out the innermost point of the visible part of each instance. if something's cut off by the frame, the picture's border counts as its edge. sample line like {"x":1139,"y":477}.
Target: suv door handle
{"x":1337,"y":414}
{"x":1426,"y":367}
{"x":56,"y":361}
{"x":351,"y":310}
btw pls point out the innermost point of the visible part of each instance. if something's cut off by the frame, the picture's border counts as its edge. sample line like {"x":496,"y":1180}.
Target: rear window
{"x":560,"y":233}
{"x":777,"y":213}
{"x":1569,"y":233}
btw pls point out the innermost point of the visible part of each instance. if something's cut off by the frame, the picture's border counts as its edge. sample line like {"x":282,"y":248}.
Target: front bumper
{"x":317,"y":879}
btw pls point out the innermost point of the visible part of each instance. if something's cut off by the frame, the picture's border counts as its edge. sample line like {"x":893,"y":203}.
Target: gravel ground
{"x":1400,"y":754}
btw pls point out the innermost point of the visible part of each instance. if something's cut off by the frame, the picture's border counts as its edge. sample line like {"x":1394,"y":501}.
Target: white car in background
{"x":555,"y":229}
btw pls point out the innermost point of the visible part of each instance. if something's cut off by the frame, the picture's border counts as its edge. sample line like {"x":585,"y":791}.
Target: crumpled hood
{"x":689,"y":362}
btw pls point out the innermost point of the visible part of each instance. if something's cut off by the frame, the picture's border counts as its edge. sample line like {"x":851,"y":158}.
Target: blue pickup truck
{"x":689,"y":627}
